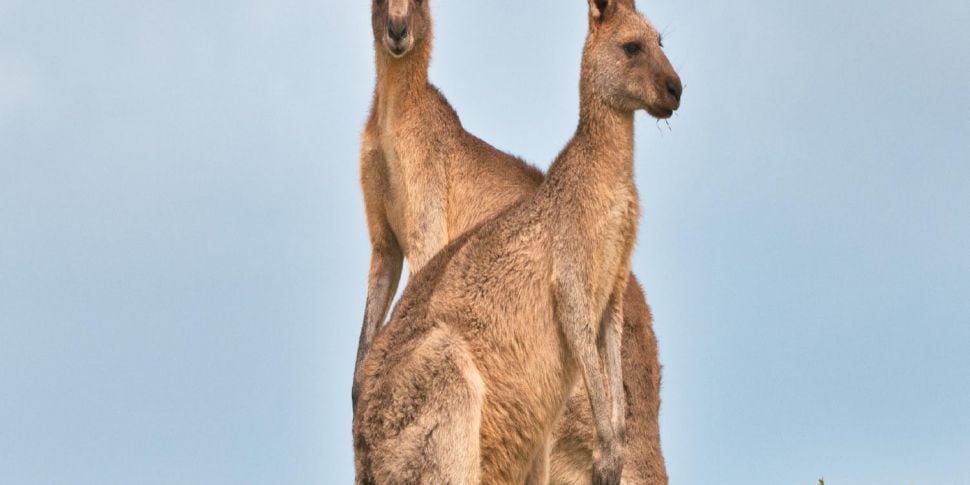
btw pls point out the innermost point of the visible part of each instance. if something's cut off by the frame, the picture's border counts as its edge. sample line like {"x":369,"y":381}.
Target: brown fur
{"x":441,"y":371}
{"x":572,"y":457}
{"x":425,"y":179}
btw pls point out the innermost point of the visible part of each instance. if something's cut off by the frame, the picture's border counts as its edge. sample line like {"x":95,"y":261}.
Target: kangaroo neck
{"x":402,"y":82}
{"x":600,"y":155}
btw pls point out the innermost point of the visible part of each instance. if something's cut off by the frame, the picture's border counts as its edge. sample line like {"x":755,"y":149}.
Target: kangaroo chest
{"x":396,"y":199}
{"x":411,"y":178}
{"x":609,"y":237}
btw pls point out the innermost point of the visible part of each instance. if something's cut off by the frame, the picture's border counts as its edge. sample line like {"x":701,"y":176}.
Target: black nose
{"x":674,"y":88}
{"x":397,"y":31}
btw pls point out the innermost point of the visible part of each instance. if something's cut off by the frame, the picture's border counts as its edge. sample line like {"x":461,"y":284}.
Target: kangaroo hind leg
{"x":441,"y":446}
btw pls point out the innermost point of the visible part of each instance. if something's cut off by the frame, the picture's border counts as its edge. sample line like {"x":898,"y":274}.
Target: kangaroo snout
{"x":397,"y":30}
{"x":675,"y":88}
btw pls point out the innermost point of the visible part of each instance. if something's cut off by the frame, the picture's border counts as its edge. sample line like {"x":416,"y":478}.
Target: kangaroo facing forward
{"x":468,"y":379}
{"x":425,"y":179}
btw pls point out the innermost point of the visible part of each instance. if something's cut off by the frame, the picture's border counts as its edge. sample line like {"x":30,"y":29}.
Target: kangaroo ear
{"x":599,"y":9}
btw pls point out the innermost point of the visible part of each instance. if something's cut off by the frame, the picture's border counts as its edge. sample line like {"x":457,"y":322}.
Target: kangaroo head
{"x":624,"y":65}
{"x":400,"y":24}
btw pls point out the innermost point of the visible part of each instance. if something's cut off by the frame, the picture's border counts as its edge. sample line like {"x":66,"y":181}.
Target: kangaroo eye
{"x":632,"y":48}
{"x":660,"y":40}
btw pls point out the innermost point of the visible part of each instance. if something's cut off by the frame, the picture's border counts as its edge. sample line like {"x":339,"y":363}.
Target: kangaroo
{"x":425,"y":179}
{"x":403,"y":46}
{"x":468,"y":379}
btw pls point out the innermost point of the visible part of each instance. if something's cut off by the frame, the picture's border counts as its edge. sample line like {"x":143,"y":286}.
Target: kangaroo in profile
{"x":468,"y":379}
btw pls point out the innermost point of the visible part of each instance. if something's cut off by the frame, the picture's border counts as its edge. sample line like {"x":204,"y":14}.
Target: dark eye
{"x":660,"y":40}
{"x":632,"y":48}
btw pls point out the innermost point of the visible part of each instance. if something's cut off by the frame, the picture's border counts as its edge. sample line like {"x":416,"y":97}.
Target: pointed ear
{"x":600,"y":9}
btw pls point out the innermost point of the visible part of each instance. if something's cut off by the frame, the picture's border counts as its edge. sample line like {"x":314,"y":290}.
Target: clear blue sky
{"x":183,"y":250}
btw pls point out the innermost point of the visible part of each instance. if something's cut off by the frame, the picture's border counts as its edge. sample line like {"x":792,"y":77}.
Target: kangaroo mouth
{"x":660,"y":112}
{"x":663,"y":108}
{"x":397,"y":49}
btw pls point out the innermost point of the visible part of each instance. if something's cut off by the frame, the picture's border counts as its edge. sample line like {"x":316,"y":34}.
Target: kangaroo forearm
{"x":579,"y":320}
{"x":582,"y":342}
{"x":612,"y":338}
{"x":382,"y":281}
